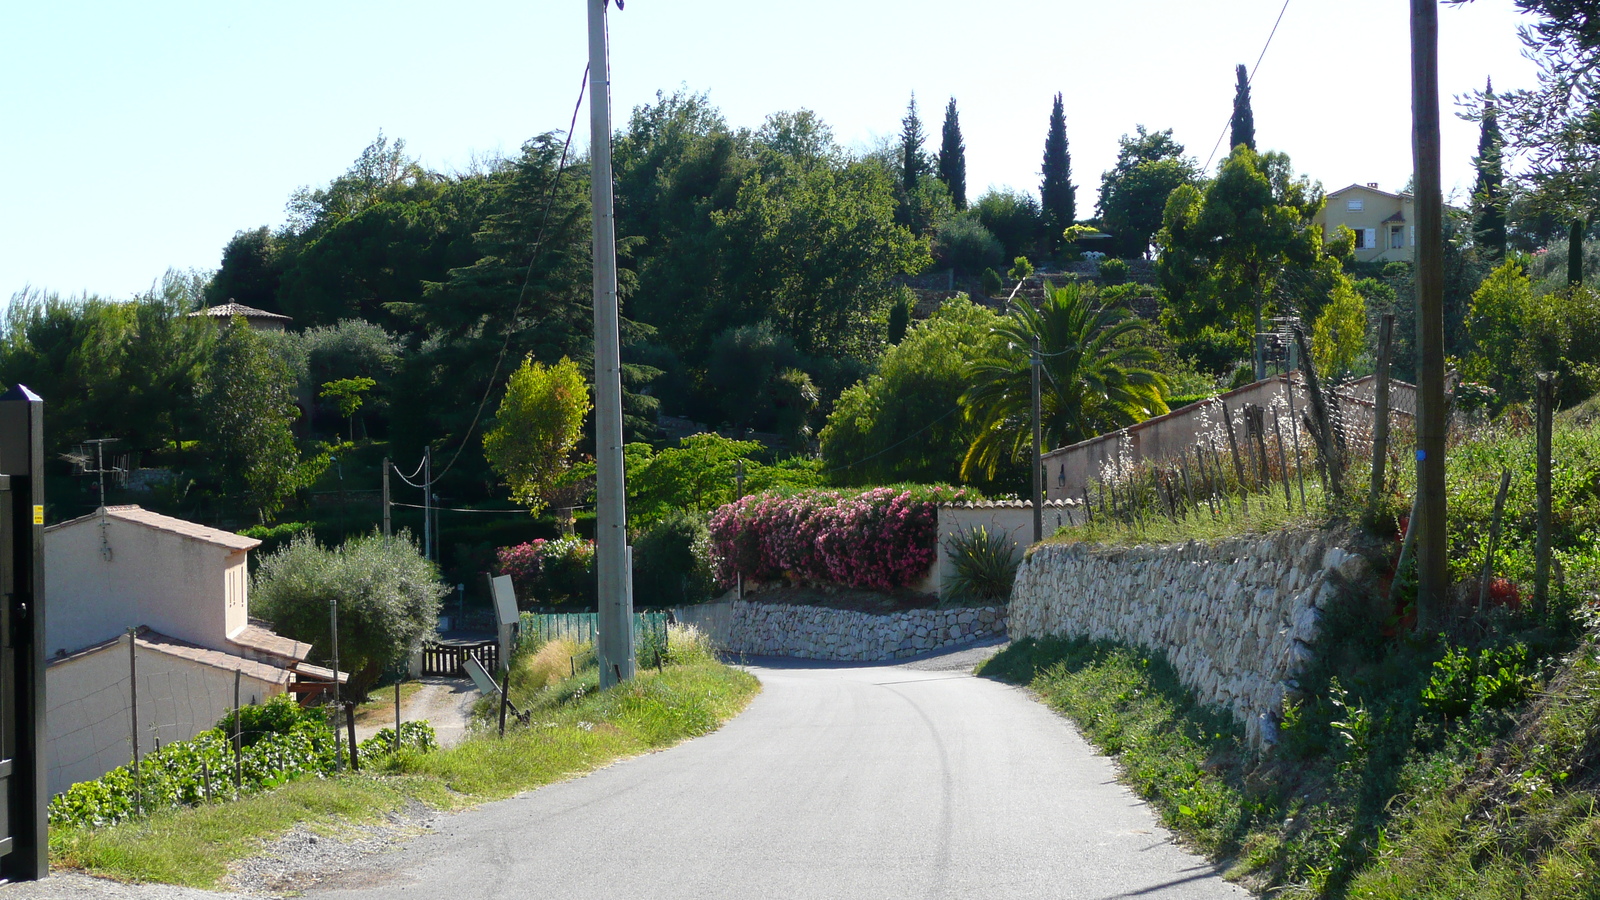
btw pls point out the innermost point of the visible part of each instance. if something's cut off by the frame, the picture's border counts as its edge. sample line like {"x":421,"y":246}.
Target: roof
{"x":171,"y":646}
{"x":308,"y":672}
{"x":194,"y":531}
{"x":1371,"y":189}
{"x":1397,"y":217}
{"x":255,"y":637}
{"x":234,"y":308}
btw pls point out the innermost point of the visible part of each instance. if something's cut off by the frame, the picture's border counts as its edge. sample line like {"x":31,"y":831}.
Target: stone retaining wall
{"x":1236,"y":617}
{"x":814,"y":632}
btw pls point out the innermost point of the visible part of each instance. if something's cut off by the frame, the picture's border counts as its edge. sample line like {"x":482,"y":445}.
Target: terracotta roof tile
{"x":234,"y":308}
{"x":266,"y":641}
{"x":192,"y":530}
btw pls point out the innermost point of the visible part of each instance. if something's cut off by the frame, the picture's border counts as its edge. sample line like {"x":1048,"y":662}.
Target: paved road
{"x":838,"y":783}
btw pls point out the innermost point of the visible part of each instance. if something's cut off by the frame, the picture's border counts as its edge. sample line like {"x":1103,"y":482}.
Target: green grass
{"x":380,"y":709}
{"x":576,"y":729}
{"x":1267,"y":513}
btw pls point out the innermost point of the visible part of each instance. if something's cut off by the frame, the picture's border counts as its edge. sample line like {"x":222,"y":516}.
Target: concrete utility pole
{"x":1432,"y":569}
{"x":615,"y":644}
{"x":1038,"y":470}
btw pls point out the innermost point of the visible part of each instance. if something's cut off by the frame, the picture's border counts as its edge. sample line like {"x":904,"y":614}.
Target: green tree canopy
{"x":1242,"y":127}
{"x":1224,"y":244}
{"x":1133,"y":193}
{"x":1057,"y":195}
{"x":250,"y":411}
{"x":1100,"y":374}
{"x":902,"y":423}
{"x":953,"y":157}
{"x":1488,"y":191}
{"x":387,"y":596}
{"x":536,"y":428}
{"x":1013,"y":217}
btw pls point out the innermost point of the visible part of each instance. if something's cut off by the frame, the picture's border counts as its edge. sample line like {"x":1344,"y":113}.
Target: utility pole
{"x":615,"y":644}
{"x":388,"y":531}
{"x":1038,"y":470}
{"x":427,"y":502}
{"x":1432,"y":565}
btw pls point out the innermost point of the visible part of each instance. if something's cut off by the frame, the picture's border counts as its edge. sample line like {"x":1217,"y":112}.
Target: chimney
{"x":1373,"y":185}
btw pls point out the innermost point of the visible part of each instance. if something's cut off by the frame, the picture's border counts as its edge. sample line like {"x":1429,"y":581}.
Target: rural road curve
{"x":877,"y":782}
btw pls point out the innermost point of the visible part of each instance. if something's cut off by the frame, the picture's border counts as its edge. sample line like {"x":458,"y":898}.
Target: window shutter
{"x":1370,"y":241}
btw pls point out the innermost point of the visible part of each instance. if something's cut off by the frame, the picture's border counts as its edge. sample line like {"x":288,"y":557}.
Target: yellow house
{"x":1384,"y":223}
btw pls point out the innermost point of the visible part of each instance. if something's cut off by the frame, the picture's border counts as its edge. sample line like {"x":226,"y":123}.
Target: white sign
{"x":505,"y":600}
{"x":480,"y":678}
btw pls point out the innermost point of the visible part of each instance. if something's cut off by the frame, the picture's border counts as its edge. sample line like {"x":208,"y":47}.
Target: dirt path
{"x":446,"y":703}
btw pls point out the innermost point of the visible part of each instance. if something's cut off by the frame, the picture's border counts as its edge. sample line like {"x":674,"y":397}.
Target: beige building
{"x":1384,"y":223}
{"x":183,"y":588}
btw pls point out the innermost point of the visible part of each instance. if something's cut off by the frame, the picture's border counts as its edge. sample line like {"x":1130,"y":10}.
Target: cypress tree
{"x":913,"y":161}
{"x":1244,"y":121}
{"x":1488,"y":195}
{"x":1056,"y":194}
{"x":953,"y":157}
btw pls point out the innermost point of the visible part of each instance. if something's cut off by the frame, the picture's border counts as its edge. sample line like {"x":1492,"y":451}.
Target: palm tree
{"x":1098,"y":374}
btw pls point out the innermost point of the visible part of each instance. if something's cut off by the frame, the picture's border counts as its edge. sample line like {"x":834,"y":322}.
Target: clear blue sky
{"x":139,"y":137}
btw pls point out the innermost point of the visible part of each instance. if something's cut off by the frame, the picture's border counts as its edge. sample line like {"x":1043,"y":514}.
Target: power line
{"x":522,"y":296}
{"x":952,"y":411}
{"x":1247,"y":82}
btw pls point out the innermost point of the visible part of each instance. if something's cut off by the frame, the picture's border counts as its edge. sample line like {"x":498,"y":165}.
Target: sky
{"x":141,"y":137}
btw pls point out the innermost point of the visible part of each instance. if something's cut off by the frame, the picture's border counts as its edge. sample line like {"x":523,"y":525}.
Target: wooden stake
{"x":1494,"y":539}
{"x":1283,"y":466}
{"x":1238,"y":465}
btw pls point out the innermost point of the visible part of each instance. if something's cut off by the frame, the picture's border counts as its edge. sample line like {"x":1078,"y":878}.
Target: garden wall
{"x":1012,"y":518}
{"x":814,"y":632}
{"x":1235,"y":617}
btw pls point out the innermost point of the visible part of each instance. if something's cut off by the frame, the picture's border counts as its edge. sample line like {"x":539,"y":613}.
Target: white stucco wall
{"x":1013,"y":521}
{"x":136,"y":575}
{"x":87,"y":718}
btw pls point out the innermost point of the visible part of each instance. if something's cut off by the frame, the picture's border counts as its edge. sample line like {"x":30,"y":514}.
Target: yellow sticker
{"x":38,"y":515}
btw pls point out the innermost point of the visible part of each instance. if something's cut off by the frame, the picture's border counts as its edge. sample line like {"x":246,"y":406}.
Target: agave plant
{"x":984,"y":564}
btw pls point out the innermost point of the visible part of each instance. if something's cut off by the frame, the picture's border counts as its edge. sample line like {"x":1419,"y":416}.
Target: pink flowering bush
{"x":884,"y":538}
{"x":546,"y":572}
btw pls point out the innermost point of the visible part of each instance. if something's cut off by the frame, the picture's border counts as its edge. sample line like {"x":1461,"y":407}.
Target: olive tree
{"x":387,"y":594}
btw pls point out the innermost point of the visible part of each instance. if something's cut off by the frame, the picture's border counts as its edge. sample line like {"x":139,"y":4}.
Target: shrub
{"x":1021,"y":268}
{"x":552,"y":573}
{"x":1113,"y":271}
{"x":414,"y":736}
{"x":993,"y":284}
{"x":280,"y":715}
{"x":984,"y":565}
{"x":883,"y":538}
{"x":388,"y":597}
{"x":178,"y":775}
{"x":962,"y":243}
{"x":671,"y":562}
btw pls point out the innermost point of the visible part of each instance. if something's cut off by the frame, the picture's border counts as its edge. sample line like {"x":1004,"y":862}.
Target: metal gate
{"x":449,"y":660}
{"x":24,"y":853}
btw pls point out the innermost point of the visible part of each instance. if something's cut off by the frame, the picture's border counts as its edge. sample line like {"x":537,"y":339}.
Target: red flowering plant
{"x":548,"y":572}
{"x":883,"y":538}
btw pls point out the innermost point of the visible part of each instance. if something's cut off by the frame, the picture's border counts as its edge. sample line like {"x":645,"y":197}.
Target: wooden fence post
{"x":1380,"y":414}
{"x":1238,"y":465}
{"x":1494,"y":539}
{"x":1545,"y":402}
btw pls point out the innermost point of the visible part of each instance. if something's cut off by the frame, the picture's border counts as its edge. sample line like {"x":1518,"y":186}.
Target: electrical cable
{"x":1247,"y":82}
{"x":522,"y":296}
{"x":953,"y":410}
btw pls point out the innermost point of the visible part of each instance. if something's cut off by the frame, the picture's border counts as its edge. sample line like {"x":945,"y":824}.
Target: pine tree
{"x":1056,"y":193}
{"x":953,"y":157}
{"x":913,"y":160}
{"x":1244,"y":121}
{"x":1488,"y":195}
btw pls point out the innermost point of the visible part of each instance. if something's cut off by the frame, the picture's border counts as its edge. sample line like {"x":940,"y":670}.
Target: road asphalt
{"x":838,"y":782}
{"x":887,"y":781}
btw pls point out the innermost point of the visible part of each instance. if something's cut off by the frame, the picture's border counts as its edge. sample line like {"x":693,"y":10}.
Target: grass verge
{"x":380,"y":709}
{"x":576,"y":729}
{"x":1258,"y":513}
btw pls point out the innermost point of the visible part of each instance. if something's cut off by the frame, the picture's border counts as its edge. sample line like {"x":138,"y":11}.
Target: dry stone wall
{"x":812,"y":632}
{"x":1236,"y":618}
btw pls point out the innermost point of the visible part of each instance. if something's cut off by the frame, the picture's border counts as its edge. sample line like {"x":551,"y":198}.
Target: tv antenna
{"x":80,"y":459}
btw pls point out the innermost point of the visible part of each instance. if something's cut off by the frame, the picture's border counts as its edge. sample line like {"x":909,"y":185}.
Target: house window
{"x":1397,"y":237}
{"x":1366,"y":238}
{"x":1355,"y":205}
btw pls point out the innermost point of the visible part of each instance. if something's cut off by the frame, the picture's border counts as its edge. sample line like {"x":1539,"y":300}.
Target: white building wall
{"x":87,"y":716}
{"x":1014,"y":520}
{"x":104,"y":576}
